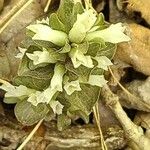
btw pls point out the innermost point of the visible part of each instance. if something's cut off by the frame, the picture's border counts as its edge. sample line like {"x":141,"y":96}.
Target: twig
{"x":47,"y":5}
{"x":13,"y":13}
{"x":133,"y":132}
{"x":30,"y":136}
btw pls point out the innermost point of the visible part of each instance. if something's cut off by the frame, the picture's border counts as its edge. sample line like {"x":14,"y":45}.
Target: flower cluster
{"x":73,"y":56}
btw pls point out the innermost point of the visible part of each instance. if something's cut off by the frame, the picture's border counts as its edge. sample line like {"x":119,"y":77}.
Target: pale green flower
{"x":78,"y":58}
{"x":113,"y":34}
{"x":57,"y":79}
{"x":34,"y":98}
{"x":103,"y":62}
{"x":72,"y":86}
{"x":57,"y":107}
{"x":16,"y":91}
{"x":84,"y":23}
{"x":39,"y":57}
{"x":44,"y":21}
{"x":21,"y":53}
{"x":97,"y":80}
{"x":45,"y":33}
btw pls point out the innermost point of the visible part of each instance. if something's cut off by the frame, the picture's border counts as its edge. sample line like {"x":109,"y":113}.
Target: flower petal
{"x":78,"y":58}
{"x":97,"y":80}
{"x":39,"y":57}
{"x":72,"y":86}
{"x":84,"y":23}
{"x":103,"y":62}
{"x":57,"y":107}
{"x":57,"y":79}
{"x":113,"y":34}
{"x":45,"y":33}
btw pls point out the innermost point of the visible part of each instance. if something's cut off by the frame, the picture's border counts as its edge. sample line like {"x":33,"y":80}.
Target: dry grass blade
{"x":30,"y":135}
{"x":97,"y":119}
{"x":47,"y":5}
{"x":15,"y":11}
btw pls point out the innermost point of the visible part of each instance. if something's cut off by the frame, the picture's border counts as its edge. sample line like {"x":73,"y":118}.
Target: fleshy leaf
{"x":113,"y":34}
{"x":97,"y":80}
{"x":45,"y":33}
{"x":28,"y":114}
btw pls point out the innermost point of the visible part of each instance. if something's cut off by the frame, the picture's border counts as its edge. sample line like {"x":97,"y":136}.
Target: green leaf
{"x":63,"y":121}
{"x":82,"y":101}
{"x":65,"y":49}
{"x":55,"y":23}
{"x":108,"y":51}
{"x":65,"y":13}
{"x":82,"y":72}
{"x":28,"y":114}
{"x":38,"y":79}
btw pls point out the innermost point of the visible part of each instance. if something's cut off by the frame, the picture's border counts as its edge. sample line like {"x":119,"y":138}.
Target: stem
{"x":15,"y":11}
{"x":30,"y":135}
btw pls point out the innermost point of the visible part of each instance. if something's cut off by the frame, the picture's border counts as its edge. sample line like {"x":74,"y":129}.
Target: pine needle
{"x":30,"y":135}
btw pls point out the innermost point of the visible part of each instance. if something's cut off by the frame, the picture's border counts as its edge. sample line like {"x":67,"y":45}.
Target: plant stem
{"x":30,"y":135}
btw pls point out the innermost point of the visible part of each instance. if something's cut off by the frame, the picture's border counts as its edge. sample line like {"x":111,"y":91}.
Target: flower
{"x":21,"y":53}
{"x":78,"y":58}
{"x":39,"y":57}
{"x":56,"y":107}
{"x":103,"y":62}
{"x":72,"y":86}
{"x":97,"y":80}
{"x":16,"y":91}
{"x":113,"y":34}
{"x":45,"y":33}
{"x":83,"y":24}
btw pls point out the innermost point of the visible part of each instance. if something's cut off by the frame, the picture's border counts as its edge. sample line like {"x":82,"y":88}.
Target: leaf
{"x":82,"y":72}
{"x":63,"y":121}
{"x":55,"y":23}
{"x":83,"y":100}
{"x":38,"y":79}
{"x":65,"y":13}
{"x":10,"y":100}
{"x":108,"y":51}
{"x":28,"y":114}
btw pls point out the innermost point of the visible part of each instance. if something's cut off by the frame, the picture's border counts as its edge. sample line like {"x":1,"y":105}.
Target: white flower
{"x":78,"y":58}
{"x":34,"y":98}
{"x":97,"y":80}
{"x":72,"y":86}
{"x":57,"y":79}
{"x":39,"y":57}
{"x":45,"y":33}
{"x":21,"y":53}
{"x":84,"y":23}
{"x":16,"y":91}
{"x":113,"y":34}
{"x":56,"y":107}
{"x":103,"y":62}
{"x":44,"y":21}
